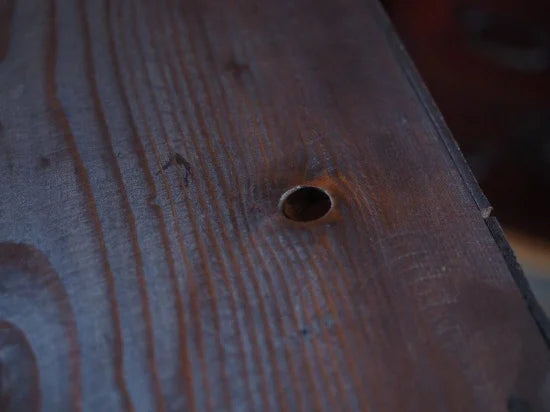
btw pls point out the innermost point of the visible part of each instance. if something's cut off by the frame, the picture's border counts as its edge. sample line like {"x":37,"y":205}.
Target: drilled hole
{"x":305,"y":203}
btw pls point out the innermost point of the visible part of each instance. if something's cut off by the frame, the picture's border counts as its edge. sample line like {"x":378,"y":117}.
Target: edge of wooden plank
{"x":542,"y":321}
{"x":453,"y":150}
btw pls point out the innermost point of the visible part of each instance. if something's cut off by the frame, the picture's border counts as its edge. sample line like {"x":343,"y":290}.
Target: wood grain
{"x":145,"y":265}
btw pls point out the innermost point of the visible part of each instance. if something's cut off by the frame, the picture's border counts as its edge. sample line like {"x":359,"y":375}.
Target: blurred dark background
{"x":487,"y":65}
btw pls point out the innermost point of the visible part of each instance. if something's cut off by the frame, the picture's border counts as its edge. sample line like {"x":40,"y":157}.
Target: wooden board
{"x":145,"y":264}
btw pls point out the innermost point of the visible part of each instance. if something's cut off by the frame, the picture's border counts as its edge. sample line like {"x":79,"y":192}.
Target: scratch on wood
{"x":179,"y":160}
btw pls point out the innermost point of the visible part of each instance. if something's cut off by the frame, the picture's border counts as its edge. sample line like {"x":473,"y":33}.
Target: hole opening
{"x":305,"y":203}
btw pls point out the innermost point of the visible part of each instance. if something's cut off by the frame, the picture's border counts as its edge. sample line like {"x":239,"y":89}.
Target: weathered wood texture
{"x":132,"y":278}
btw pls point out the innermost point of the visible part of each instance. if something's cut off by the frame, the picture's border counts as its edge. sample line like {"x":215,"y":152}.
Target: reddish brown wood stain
{"x":183,"y":287}
{"x":6,"y":11}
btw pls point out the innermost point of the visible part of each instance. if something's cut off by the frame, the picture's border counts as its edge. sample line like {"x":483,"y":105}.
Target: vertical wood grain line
{"x":185,"y":368}
{"x":233,"y":216}
{"x":383,"y":330}
{"x":126,"y":207}
{"x":253,"y":243}
{"x":351,"y":190}
{"x":248,"y":261}
{"x":270,"y":131}
{"x":343,"y":298}
{"x":196,"y":232}
{"x":270,"y":247}
{"x":204,"y":206}
{"x":60,"y":119}
{"x":362,"y":199}
{"x":295,"y":116}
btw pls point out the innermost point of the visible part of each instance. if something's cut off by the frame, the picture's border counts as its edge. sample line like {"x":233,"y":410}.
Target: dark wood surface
{"x":145,"y":265}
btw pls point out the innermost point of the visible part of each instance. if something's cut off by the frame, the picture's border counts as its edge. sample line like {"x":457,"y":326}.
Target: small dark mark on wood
{"x":236,"y":67}
{"x":167,"y":164}
{"x":179,"y":160}
{"x":183,"y":162}
{"x":304,"y":331}
{"x":44,"y":162}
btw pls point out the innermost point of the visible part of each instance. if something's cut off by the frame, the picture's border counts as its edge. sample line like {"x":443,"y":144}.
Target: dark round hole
{"x":305,"y":203}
